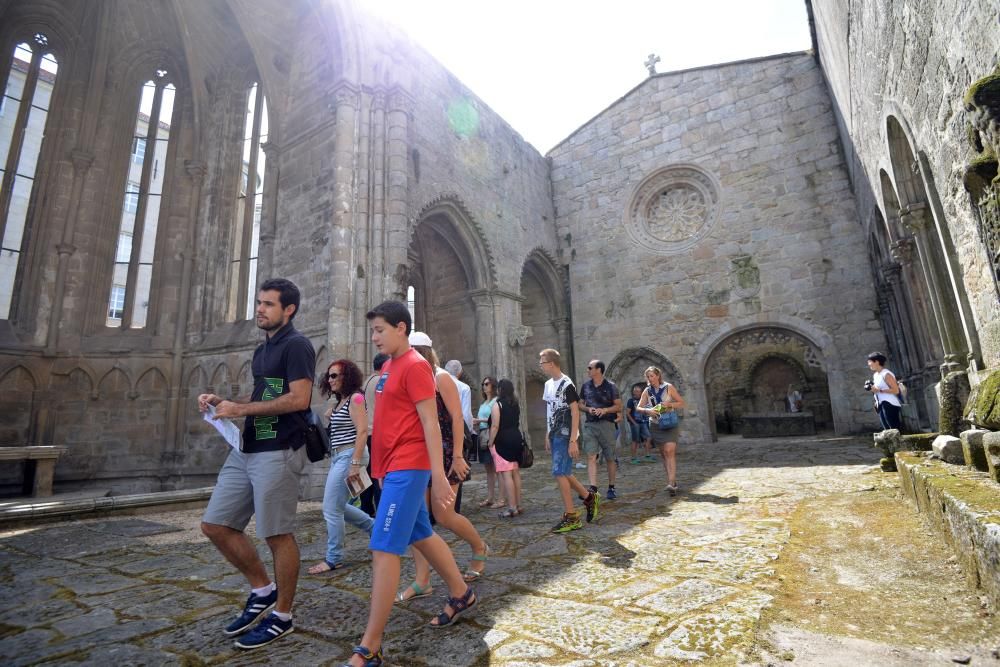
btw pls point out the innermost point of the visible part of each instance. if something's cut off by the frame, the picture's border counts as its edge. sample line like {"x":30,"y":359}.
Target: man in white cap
{"x":454,"y":368}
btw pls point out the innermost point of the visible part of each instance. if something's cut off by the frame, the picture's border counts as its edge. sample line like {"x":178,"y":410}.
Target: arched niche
{"x":751,"y":370}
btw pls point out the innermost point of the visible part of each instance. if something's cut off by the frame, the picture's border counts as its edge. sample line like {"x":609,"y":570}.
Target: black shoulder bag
{"x":314,"y":437}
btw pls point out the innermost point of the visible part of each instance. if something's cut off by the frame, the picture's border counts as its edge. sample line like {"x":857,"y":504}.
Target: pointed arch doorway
{"x":447,"y":286}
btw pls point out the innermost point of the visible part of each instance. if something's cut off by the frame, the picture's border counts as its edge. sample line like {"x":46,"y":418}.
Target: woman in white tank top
{"x":886,"y":390}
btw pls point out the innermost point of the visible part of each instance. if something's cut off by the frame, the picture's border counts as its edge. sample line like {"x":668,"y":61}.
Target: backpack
{"x":903,"y":391}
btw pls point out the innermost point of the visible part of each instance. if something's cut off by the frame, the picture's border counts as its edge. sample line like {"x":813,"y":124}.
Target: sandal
{"x":325,"y":566}
{"x":498,"y":504}
{"x":418,"y":592}
{"x":371,"y":659}
{"x":486,"y":503}
{"x":472,"y":575}
{"x":508,"y":513}
{"x":459,"y":606}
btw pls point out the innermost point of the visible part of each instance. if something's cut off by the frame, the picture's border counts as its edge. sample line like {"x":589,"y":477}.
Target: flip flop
{"x":498,"y":504}
{"x":325,"y":566}
{"x":418,"y":592}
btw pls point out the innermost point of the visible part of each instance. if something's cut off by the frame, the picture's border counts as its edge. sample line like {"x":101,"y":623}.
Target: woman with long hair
{"x":660,"y":396}
{"x":482,"y":423}
{"x":348,"y":456}
{"x":505,"y":445}
{"x":452,"y":425}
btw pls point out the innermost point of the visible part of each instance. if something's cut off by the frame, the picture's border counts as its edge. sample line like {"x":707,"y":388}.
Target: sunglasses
{"x":486,"y":384}
{"x":332,"y":376}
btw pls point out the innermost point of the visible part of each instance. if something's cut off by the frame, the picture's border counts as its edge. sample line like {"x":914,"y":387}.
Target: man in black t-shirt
{"x":600,"y":404}
{"x":262,"y":478}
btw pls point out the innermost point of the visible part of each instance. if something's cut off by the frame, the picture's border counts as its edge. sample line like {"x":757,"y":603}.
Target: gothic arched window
{"x":128,"y":302}
{"x":249,"y":200}
{"x":24,"y":110}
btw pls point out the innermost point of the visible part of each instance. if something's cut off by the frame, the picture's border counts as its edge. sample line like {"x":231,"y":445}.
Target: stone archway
{"x":449,"y":271}
{"x":544,"y":323}
{"x":628,"y":366}
{"x":750,"y":371}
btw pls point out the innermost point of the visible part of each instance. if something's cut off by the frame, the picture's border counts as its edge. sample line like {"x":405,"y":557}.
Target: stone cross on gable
{"x":651,"y":63}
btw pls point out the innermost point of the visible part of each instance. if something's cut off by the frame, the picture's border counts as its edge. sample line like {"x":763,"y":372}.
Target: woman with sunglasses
{"x":348,"y":457}
{"x":481,"y":421}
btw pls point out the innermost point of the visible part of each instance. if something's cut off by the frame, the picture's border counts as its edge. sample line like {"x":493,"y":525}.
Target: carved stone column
{"x":487,"y":358}
{"x":915,"y":220}
{"x":346,"y":100}
{"x":82,"y":159}
{"x":517,"y":335}
{"x":196,"y":171}
{"x":396,"y":237}
{"x":269,"y":212}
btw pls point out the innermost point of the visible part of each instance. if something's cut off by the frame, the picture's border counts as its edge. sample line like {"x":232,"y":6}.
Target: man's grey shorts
{"x":599,"y":437}
{"x":261,"y":483}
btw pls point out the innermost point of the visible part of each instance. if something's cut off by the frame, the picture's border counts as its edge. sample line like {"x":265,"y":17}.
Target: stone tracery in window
{"x":25,"y":108}
{"x":141,"y":203}
{"x":249,"y":207}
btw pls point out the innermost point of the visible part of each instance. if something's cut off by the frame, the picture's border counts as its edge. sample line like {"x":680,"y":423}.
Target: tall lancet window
{"x":24,"y":109}
{"x":128,"y":302}
{"x":246,"y":231}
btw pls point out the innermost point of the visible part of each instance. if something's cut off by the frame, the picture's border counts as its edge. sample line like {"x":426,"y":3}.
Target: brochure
{"x":358,"y":483}
{"x":226,"y":428}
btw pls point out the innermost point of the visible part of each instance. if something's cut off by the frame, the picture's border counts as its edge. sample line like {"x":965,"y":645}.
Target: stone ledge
{"x":964,"y":506}
{"x":34,"y":510}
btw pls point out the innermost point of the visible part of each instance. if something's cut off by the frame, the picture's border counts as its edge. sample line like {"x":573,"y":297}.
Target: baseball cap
{"x":420,"y":338}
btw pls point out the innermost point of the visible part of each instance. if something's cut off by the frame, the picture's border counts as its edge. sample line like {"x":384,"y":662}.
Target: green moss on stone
{"x":984,"y":92}
{"x":984,"y":406}
{"x":919,"y":442}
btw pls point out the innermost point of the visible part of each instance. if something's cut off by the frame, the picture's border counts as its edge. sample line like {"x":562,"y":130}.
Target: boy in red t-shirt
{"x":406,"y":454}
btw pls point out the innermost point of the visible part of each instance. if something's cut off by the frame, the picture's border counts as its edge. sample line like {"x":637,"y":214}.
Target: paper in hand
{"x":225,"y":427}
{"x":358,"y":483}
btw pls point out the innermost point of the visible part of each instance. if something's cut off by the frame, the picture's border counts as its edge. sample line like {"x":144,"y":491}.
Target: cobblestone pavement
{"x":722,"y":574}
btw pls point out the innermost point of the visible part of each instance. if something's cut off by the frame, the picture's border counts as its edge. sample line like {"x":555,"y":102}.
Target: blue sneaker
{"x":257,"y":607}
{"x":610,"y":495}
{"x":266,"y":632}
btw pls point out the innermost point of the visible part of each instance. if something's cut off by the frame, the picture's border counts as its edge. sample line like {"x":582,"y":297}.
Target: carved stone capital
{"x":913,"y":218}
{"x":902,"y":251}
{"x":65,"y":248}
{"x":82,"y":159}
{"x":517,"y":334}
{"x":400,"y":100}
{"x":271,"y":150}
{"x":344,"y":95}
{"x":379,"y":98}
{"x":892,"y":272}
{"x":195,"y":169}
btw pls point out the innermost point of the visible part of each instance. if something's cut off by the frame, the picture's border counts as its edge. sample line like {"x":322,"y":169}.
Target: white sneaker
{"x":581,"y":466}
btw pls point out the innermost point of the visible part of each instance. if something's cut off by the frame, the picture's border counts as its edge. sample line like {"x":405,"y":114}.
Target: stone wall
{"x":711,"y":201}
{"x":912,"y":62}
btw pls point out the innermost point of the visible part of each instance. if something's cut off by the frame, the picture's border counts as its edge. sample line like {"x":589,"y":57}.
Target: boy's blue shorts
{"x":402,"y":516}
{"x":562,"y":464}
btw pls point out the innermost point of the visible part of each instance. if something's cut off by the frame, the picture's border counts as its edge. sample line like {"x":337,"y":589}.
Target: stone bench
{"x":39,"y":466}
{"x":777,"y":424}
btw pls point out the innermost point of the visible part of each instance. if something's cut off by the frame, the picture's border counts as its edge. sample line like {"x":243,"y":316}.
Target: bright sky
{"x":549,"y":66}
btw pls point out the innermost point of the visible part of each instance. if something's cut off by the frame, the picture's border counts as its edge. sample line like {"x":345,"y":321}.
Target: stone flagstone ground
{"x":774,"y":551}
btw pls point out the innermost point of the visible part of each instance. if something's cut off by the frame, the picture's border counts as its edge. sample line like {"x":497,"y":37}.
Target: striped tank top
{"x":342,"y":431}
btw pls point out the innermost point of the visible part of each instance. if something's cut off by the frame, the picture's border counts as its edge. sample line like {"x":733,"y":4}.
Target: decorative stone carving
{"x":517,"y":334}
{"x":673,"y":208}
{"x":902,"y":250}
{"x":82,"y":159}
{"x":744,"y":277}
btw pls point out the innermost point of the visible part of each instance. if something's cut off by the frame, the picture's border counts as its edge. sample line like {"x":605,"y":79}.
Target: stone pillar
{"x":487,"y":359}
{"x":269,"y":212}
{"x":517,"y":335}
{"x":396,"y":235}
{"x":346,"y":101}
{"x":903,"y":331}
{"x":915,"y":220}
{"x":175,"y":413}
{"x":82,"y":159}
